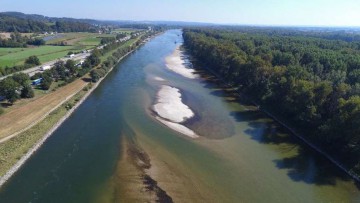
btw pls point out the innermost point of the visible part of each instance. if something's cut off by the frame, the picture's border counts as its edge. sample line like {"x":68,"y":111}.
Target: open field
{"x":5,"y":51}
{"x":79,"y":38}
{"x":68,"y":36}
{"x":126,"y":30}
{"x":75,"y":42}
{"x":25,"y":115}
{"x":93,"y":41}
{"x":44,"y":53}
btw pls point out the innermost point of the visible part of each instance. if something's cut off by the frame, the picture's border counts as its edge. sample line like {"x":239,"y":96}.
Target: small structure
{"x":80,"y":63}
{"x":42,"y":68}
{"x":36,"y":82}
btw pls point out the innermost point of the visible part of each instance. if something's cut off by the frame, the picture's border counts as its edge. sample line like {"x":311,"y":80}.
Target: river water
{"x":241,"y":156}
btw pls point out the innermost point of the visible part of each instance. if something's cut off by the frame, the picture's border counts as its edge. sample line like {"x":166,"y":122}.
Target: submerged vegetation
{"x":309,"y":79}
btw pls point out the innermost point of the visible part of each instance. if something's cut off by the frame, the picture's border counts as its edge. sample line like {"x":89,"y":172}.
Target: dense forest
{"x":309,"y":79}
{"x":19,"y":22}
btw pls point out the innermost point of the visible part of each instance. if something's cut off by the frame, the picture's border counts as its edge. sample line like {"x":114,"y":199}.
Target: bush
{"x":32,"y":60}
{"x":69,"y":106}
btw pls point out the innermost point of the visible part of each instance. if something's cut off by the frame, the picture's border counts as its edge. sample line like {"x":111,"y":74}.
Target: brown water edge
{"x":131,"y":182}
{"x":173,"y":175}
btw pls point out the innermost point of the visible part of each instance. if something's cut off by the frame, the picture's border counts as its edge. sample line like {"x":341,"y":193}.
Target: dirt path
{"x":26,"y":116}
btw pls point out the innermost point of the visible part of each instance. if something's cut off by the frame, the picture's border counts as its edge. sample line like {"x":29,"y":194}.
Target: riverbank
{"x":287,"y":126}
{"x":176,"y":63}
{"x":57,"y":123}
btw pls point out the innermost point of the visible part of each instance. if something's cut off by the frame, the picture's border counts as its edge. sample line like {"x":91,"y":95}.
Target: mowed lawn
{"x":17,"y":56}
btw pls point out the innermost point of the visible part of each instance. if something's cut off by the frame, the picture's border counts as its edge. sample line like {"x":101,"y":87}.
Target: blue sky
{"x":258,"y":12}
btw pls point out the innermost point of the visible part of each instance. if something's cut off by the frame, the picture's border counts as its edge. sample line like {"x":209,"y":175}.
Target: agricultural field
{"x":126,"y":30}
{"x":16,"y":56}
{"x":79,"y":38}
{"x":5,"y":51}
{"x":74,"y":42}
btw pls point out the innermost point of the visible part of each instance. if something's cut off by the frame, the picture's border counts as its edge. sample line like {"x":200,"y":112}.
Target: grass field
{"x":75,"y":42}
{"x":17,"y":56}
{"x":92,"y":41}
{"x":126,"y":30}
{"x":5,"y":51}
{"x":80,"y":38}
{"x":69,"y":36}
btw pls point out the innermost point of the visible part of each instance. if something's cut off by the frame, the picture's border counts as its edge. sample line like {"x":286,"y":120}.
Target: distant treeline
{"x":9,"y":22}
{"x":307,"y":80}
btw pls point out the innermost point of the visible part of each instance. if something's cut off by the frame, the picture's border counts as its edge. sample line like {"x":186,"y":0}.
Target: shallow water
{"x":241,"y":156}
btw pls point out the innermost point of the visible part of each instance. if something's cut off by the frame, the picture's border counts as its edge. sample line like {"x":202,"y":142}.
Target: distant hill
{"x":20,"y":22}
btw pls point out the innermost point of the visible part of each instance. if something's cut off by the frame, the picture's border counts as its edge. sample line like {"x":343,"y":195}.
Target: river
{"x":113,"y":150}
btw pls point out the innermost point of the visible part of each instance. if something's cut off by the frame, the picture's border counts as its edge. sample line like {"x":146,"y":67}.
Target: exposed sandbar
{"x":172,"y":112}
{"x":159,"y":79}
{"x":170,"y":106}
{"x":175,"y":63}
{"x":178,"y":127}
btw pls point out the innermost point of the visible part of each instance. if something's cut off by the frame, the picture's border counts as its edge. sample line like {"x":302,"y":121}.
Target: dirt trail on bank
{"x":20,"y":119}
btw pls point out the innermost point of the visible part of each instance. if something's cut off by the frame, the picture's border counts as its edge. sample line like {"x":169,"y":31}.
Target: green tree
{"x":46,"y":82}
{"x":9,"y":88}
{"x":94,"y":76}
{"x":59,"y":71}
{"x":70,"y":65}
{"x":27,"y":92}
{"x":21,"y":78}
{"x":32,"y":60}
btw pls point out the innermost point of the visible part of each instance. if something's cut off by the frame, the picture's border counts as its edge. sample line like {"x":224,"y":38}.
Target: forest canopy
{"x":310,"y":79}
